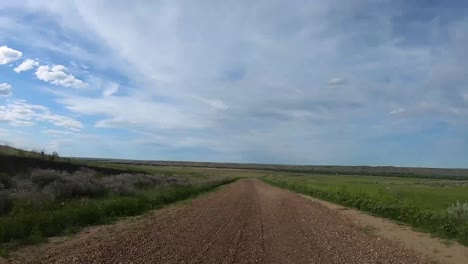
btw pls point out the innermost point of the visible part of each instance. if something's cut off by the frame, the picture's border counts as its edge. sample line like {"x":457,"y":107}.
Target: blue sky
{"x":362,"y":82}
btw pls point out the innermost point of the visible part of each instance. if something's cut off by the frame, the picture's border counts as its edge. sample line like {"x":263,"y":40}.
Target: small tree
{"x":54,"y":156}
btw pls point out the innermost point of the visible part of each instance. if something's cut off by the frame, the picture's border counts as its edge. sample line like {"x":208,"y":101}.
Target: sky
{"x":363,"y":82}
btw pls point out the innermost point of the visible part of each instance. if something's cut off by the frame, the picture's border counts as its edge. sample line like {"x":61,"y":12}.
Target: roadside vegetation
{"x":436,"y":206}
{"x":42,"y":197}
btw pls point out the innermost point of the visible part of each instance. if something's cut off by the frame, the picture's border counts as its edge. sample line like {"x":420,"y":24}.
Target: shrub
{"x":62,"y":185}
{"x":31,"y":200}
{"x":458,"y":212}
{"x":5,"y":181}
{"x":6,"y":202}
{"x":85,"y":182}
{"x":456,"y":221}
{"x":127,"y":184}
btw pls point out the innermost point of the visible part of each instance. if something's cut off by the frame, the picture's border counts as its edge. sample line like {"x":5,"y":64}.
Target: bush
{"x":458,"y":212}
{"x":62,"y":185}
{"x":5,"y":181}
{"x":42,"y":178}
{"x":84,"y":183}
{"x":6,"y":202}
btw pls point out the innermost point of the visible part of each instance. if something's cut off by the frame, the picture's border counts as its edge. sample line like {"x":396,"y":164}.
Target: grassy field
{"x":390,"y":171}
{"x":433,"y":205}
{"x":198,"y":174}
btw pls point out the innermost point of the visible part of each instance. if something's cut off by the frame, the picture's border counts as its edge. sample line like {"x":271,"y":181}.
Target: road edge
{"x":438,"y":249}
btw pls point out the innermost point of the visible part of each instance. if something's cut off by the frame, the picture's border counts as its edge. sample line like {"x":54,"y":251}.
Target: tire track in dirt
{"x":245,"y":222}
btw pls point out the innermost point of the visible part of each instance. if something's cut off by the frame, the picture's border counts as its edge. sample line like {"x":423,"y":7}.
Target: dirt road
{"x":246,"y":222}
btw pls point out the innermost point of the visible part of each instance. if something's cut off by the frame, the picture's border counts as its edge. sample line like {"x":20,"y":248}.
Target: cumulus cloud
{"x":58,"y":75}
{"x":26,"y":65}
{"x":20,"y":113}
{"x":337,"y":81}
{"x":5,"y":89}
{"x":8,"y":55}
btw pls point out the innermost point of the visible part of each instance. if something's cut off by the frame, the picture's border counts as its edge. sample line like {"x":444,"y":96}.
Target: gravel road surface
{"x":245,"y":222}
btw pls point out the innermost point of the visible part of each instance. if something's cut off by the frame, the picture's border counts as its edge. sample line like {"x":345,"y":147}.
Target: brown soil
{"x":245,"y":222}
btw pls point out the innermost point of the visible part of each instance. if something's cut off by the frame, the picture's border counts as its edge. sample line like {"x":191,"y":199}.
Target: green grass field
{"x":196,"y":174}
{"x":424,"y":193}
{"x":436,"y":206}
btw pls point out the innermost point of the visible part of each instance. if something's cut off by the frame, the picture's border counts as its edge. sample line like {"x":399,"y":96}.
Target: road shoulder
{"x":435,"y":248}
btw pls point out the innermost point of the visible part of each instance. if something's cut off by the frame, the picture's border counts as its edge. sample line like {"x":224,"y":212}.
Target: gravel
{"x":245,"y":222}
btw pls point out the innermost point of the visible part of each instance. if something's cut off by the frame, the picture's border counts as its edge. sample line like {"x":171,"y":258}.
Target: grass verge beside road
{"x":449,"y":220}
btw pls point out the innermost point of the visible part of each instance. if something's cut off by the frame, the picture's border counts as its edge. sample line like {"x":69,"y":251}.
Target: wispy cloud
{"x":214,"y":103}
{"x":337,"y":81}
{"x":134,"y":111}
{"x":5,"y":89}
{"x":20,"y":113}
{"x":266,"y":81}
{"x":397,"y":111}
{"x":111,"y":89}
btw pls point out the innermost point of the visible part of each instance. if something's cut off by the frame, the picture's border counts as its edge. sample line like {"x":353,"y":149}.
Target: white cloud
{"x":174,"y":142}
{"x":135,"y":111}
{"x":26,"y":65}
{"x":20,"y":113}
{"x":5,"y":89}
{"x":111,"y":89}
{"x":8,"y":55}
{"x":398,"y":111}
{"x":58,"y":75}
{"x":56,"y":132}
{"x":337,"y":81}
{"x":62,"y":121}
{"x":213,"y":103}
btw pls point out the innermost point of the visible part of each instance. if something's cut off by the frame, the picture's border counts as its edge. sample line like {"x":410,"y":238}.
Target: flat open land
{"x":245,"y":222}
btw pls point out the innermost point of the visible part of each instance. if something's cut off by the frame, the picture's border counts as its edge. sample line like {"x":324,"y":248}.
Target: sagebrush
{"x":43,"y":185}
